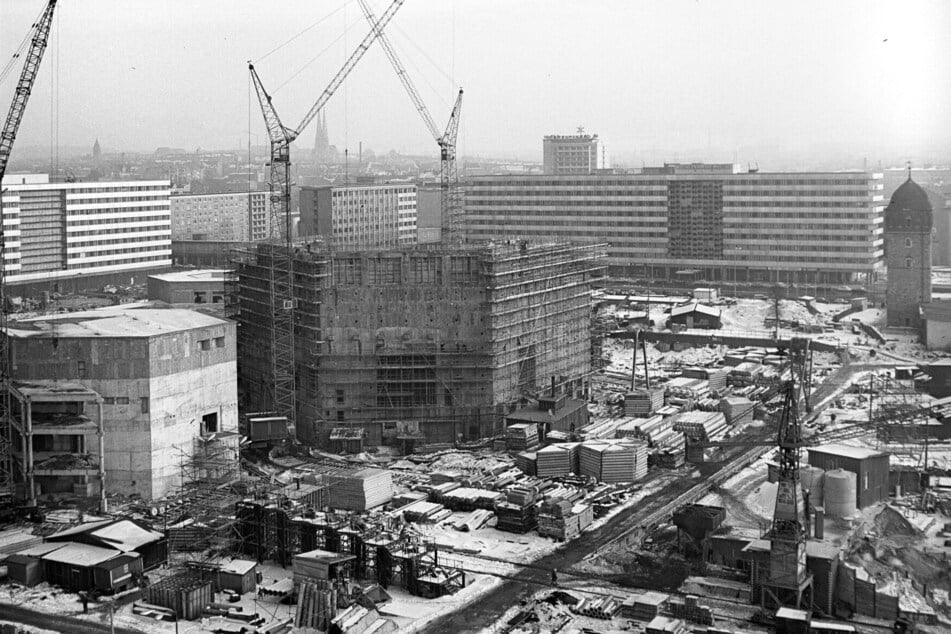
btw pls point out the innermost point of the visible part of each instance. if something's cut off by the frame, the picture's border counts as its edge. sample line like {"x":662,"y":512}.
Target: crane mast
{"x":281,"y":298}
{"x":31,"y":66}
{"x":450,"y":191}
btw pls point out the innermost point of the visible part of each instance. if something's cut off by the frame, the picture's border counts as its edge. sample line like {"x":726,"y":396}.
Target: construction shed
{"x":695,"y":315}
{"x":869,"y":466}
{"x":322,"y":564}
{"x":552,"y":414}
{"x":27,"y":571}
{"x":126,"y":536}
{"x":78,"y":567}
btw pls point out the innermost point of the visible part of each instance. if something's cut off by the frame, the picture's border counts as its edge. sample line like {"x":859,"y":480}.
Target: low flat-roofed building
{"x":200,"y":286}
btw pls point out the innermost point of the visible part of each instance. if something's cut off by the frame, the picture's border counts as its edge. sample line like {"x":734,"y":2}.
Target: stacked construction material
{"x":641,"y":458}
{"x":643,"y":402}
{"x":686,"y":388}
{"x":360,"y":490}
{"x":745,"y":374}
{"x":613,"y":460}
{"x":699,"y":425}
{"x":558,"y":460}
{"x":715,"y":377}
{"x":561,"y":519}
{"x":666,"y":625}
{"x":526,"y":461}
{"x":517,"y":513}
{"x":466,"y":499}
{"x":521,"y":436}
{"x":691,"y":610}
{"x":644,"y":607}
{"x":667,"y":458}
{"x":408,"y":497}
{"x":738,"y":410}
{"x":474,"y":521}
{"x":733,"y":359}
{"x":422,"y":512}
{"x":602,"y":608}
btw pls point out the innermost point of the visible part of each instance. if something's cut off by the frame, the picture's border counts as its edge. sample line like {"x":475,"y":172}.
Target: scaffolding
{"x":447,"y":338}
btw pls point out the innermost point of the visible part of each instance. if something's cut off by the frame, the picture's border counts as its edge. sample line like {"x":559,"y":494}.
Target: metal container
{"x":839,"y":493}
{"x":810,"y":479}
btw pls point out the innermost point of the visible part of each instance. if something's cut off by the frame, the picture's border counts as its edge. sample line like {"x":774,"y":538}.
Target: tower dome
{"x":909,"y":209}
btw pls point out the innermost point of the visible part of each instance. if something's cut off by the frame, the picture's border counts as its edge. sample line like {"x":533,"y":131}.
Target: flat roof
{"x":536,"y":415}
{"x":325,"y":556}
{"x":58,"y":388}
{"x":821,"y":550}
{"x":113,"y":321}
{"x":847,"y":451}
{"x":81,"y":554}
{"x":238,"y":566}
{"x":198,"y":275}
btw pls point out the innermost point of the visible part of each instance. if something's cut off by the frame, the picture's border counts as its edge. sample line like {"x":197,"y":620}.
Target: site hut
{"x":126,"y":536}
{"x":185,"y":289}
{"x":869,"y":466}
{"x":79,"y":567}
{"x":166,"y":377}
{"x":552,"y":413}
{"x":695,"y":315}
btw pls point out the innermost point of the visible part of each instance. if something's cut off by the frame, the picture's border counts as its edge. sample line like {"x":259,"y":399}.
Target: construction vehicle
{"x":40,"y":31}
{"x":450,"y":191}
{"x":282,"y":389}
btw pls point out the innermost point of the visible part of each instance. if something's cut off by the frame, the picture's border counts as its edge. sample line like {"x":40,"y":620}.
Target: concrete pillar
{"x":102,"y":458}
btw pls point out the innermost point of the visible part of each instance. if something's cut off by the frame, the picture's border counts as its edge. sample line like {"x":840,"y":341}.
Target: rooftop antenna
{"x":580,"y":129}
{"x":909,"y":170}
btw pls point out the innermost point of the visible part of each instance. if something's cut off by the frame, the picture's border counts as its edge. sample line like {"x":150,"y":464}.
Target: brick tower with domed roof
{"x":909,"y":224}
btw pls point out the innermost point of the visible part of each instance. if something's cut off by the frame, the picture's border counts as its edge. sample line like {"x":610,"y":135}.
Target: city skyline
{"x":658,"y":81}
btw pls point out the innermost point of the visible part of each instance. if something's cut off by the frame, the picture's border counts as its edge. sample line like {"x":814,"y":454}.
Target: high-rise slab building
{"x":231,"y":217}
{"x":360,"y":216}
{"x":64,"y":230}
{"x":436,"y":340}
{"x":571,"y":154}
{"x":692,"y":222}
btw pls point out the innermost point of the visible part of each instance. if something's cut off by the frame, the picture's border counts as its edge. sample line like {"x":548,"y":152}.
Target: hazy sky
{"x":671,"y":74}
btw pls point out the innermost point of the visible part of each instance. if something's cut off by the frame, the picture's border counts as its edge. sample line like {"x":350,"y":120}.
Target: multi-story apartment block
{"x":63,"y":230}
{"x":360,"y":217}
{"x":709,"y":222}
{"x":234,"y":217}
{"x":577,"y":154}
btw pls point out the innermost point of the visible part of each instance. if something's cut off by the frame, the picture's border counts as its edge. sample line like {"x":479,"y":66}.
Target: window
{"x":219,"y":342}
{"x":199,"y":297}
{"x":908,"y":242}
{"x":122,"y":400}
{"x":145,"y":404}
{"x":340,"y":414}
{"x":205,"y":344}
{"x":340,"y":397}
{"x":81,"y":369}
{"x":209,"y":423}
{"x":907,"y":263}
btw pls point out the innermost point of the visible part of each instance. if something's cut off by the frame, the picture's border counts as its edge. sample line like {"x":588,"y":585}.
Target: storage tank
{"x":839,"y":493}
{"x":810,"y":479}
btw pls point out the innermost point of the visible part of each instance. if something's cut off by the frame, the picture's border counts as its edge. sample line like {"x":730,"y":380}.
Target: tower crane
{"x":281,"y":275}
{"x":31,"y":66}
{"x":450,"y":191}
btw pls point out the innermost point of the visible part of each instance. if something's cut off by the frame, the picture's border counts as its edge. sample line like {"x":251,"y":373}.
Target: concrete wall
{"x":155,"y":391}
{"x":937,"y":334}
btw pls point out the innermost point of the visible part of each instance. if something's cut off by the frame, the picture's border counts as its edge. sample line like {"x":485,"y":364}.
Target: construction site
{"x":467,"y":437}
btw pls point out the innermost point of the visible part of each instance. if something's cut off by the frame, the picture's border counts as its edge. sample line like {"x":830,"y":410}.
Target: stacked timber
{"x":702,"y":425}
{"x":667,"y":458}
{"x":521,"y":436}
{"x":691,"y":610}
{"x":316,"y":605}
{"x":186,"y":594}
{"x":733,"y":359}
{"x":515,"y":518}
{"x":422,"y":512}
{"x":612,"y":460}
{"x":686,"y":388}
{"x":745,"y":374}
{"x":408,"y":497}
{"x":527,"y":462}
{"x":643,"y":402}
{"x":563,"y":520}
{"x":558,"y":460}
{"x":360,"y":490}
{"x":738,"y":410}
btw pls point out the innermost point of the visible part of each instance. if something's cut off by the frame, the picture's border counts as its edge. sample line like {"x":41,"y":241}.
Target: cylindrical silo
{"x":810,"y":478}
{"x":839,"y":493}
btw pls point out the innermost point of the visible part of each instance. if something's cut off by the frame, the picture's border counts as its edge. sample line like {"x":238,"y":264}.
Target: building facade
{"x":571,"y":154}
{"x":909,"y":223}
{"x":167,"y":380}
{"x":443,"y":340}
{"x":64,"y":230}
{"x":710,"y":222}
{"x":360,"y":217}
{"x":237,"y":217}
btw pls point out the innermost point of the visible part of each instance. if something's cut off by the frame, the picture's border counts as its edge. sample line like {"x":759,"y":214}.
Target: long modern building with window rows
{"x":61,"y":230}
{"x":711,"y":222}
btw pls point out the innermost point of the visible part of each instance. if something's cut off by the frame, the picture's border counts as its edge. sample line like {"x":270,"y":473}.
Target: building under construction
{"x":431,"y":342}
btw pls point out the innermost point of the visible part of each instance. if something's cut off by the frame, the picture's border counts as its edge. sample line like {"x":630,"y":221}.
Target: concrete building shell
{"x":166,"y":376}
{"x":442,"y":340}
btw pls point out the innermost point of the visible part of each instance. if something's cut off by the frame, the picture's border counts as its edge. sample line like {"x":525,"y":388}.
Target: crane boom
{"x":402,"y":74}
{"x":282,"y":390}
{"x":347,"y":67}
{"x":450,"y":193}
{"x":31,"y":66}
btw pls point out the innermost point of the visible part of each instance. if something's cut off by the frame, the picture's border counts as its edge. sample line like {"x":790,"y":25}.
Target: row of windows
{"x":206,"y":344}
{"x":116,"y":210}
{"x":99,"y":253}
{"x":136,"y":188}
{"x":135,"y":229}
{"x":83,"y":222}
{"x":95,"y":265}
{"x":96,"y":200}
{"x":635,"y":181}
